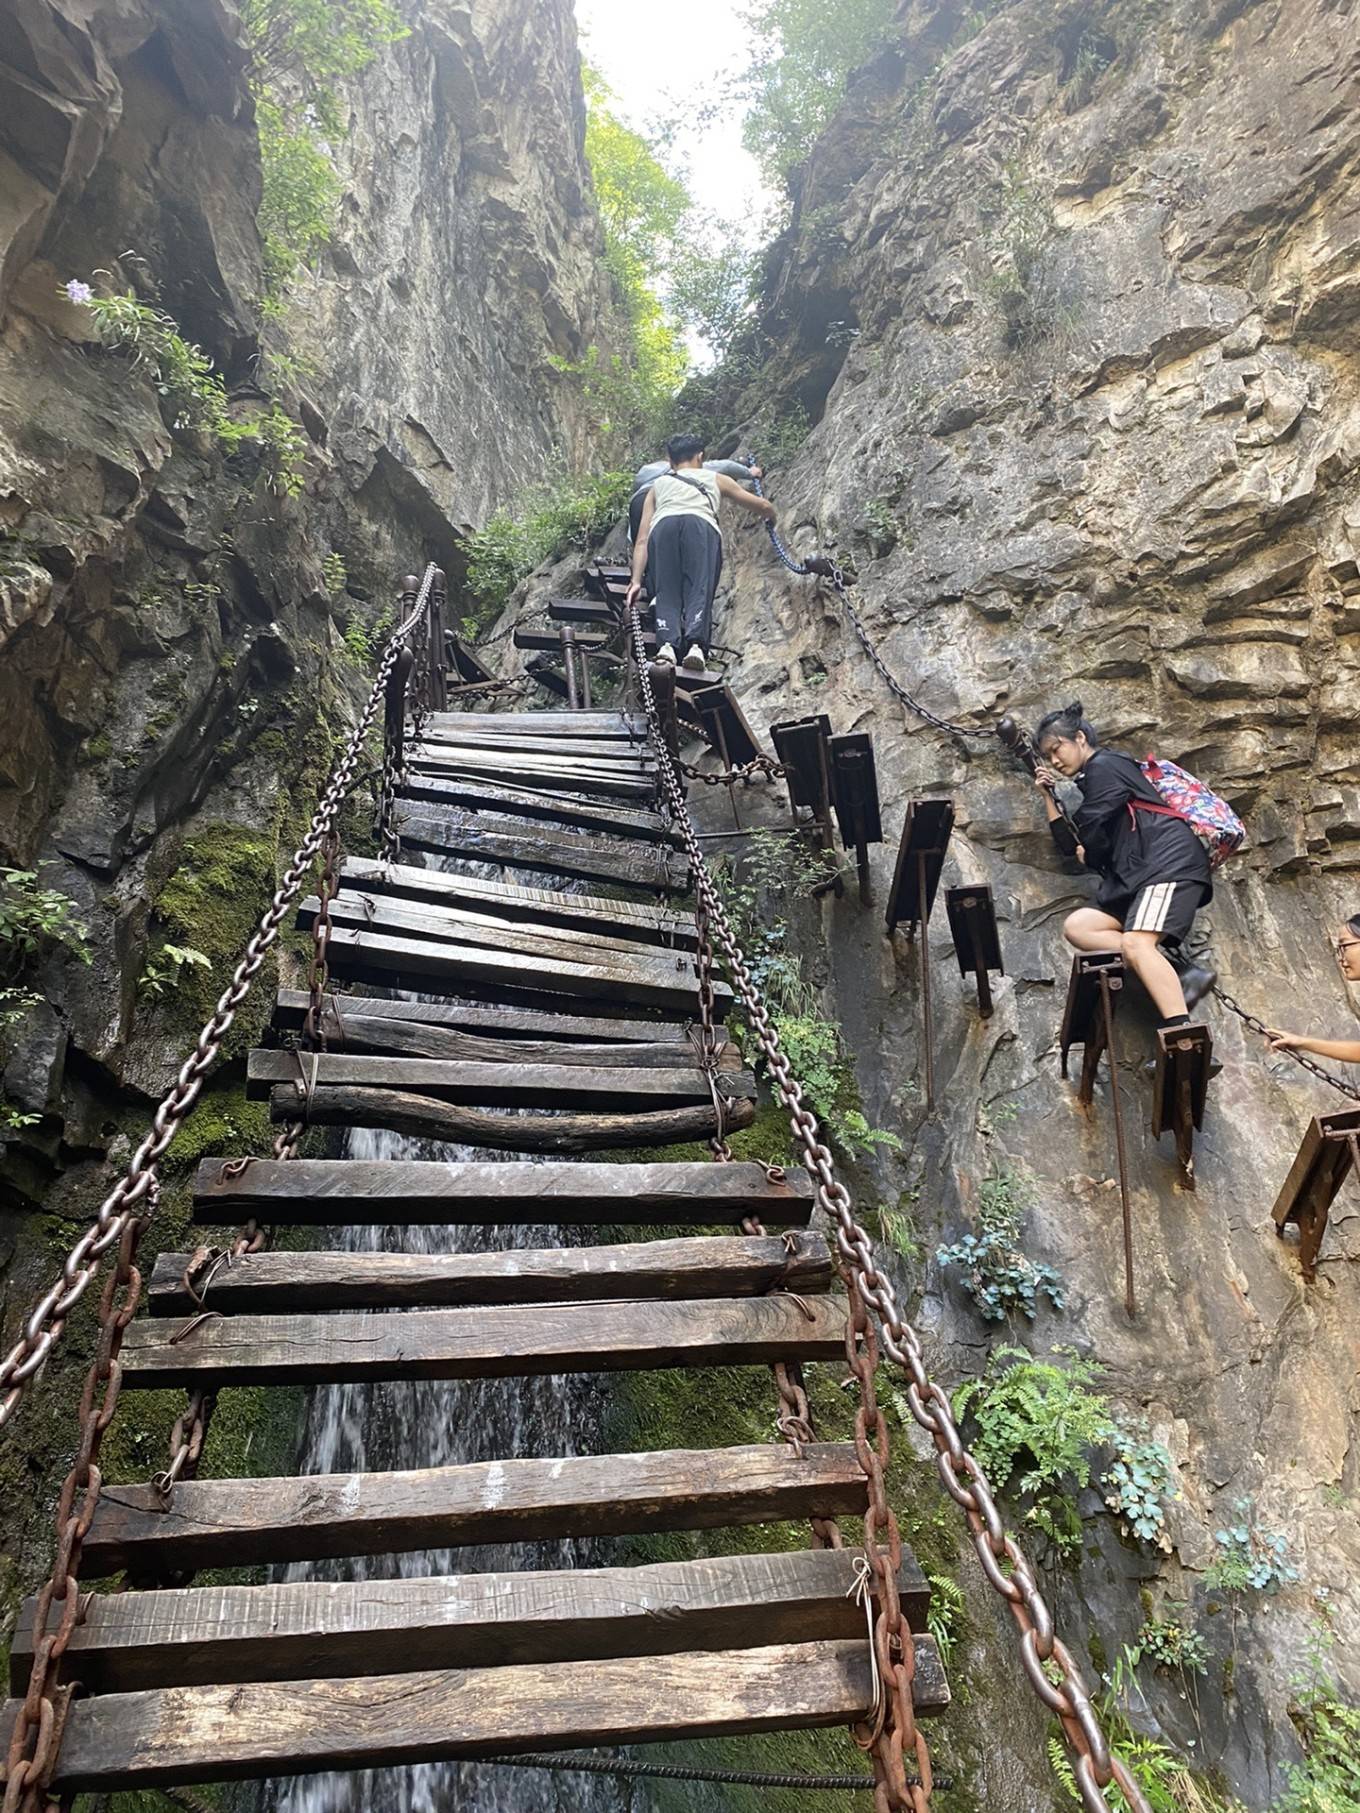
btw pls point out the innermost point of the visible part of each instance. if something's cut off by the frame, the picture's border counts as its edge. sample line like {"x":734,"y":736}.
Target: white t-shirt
{"x":696,"y":494}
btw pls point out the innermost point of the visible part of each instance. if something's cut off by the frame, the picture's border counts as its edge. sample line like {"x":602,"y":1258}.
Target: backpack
{"x":1211,"y":819}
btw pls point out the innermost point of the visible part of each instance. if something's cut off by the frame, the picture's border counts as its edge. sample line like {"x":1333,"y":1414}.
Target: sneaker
{"x":666,"y":654}
{"x":1196,"y":981}
{"x":695,"y":660}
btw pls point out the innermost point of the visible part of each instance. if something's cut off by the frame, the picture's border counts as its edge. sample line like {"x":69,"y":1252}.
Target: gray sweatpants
{"x":684,"y":565}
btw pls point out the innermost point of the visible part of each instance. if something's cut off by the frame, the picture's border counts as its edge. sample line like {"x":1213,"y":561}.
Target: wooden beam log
{"x":423,"y":1117}
{"x":616,"y":725}
{"x":571,"y":777}
{"x":707,"y":1266}
{"x":483,"y":1343}
{"x":213,"y":1523}
{"x":307,"y":1191}
{"x":205,"y":1636}
{"x":621,"y":1089}
{"x":442,"y":967}
{"x":596,"y":748}
{"x":561,"y":808}
{"x":493,"y":838}
{"x":641,"y":920}
{"x":504,"y":1024}
{"x":206,"y":1734}
{"x":459,"y":924}
{"x":355,"y":1032}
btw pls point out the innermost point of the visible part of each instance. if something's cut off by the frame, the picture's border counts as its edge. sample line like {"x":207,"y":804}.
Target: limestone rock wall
{"x":1074,"y":290}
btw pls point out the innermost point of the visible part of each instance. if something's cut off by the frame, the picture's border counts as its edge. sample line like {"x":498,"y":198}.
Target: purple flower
{"x":78,"y":291}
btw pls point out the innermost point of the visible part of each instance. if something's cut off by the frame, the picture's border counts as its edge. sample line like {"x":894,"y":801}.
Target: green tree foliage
{"x":544,"y":525}
{"x":643,"y":210}
{"x":300,"y":50}
{"x":805,"y":53}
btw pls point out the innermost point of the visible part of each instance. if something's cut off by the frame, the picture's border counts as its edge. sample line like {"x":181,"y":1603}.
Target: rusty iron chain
{"x":46,"y":1321}
{"x":1063,"y":1690}
{"x":728,"y":777}
{"x":1249,"y":1019}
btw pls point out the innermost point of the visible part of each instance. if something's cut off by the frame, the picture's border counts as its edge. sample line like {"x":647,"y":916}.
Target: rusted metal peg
{"x":1093,"y":993}
{"x":854,"y":793}
{"x":437,"y":654}
{"x":567,"y":636}
{"x":1179,"y":1090}
{"x":977,"y":943}
{"x":1109,"y":985}
{"x":927,"y":1006}
{"x":1330,"y":1153}
{"x":920,"y":862}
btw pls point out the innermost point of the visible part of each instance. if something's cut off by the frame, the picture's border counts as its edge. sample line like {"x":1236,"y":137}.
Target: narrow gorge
{"x":1057,"y":354}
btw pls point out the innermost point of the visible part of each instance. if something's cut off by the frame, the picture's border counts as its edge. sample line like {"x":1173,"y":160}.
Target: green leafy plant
{"x":1167,"y":1782}
{"x":1038,"y":1421}
{"x":333,"y":574}
{"x":1138,"y":1483}
{"x":1328,"y":1778}
{"x":33,"y":921}
{"x":945,"y":1616}
{"x":804,"y":52}
{"x":544,"y":525}
{"x":1171,"y":1642}
{"x":997,"y":1274}
{"x":165,"y":968}
{"x":1250,"y":1559}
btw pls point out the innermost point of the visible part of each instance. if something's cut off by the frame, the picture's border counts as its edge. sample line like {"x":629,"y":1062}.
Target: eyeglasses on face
{"x":1343,"y":945}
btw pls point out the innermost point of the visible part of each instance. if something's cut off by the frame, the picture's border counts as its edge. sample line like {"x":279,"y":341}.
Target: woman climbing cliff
{"x":1347,"y":948}
{"x":679,"y":548}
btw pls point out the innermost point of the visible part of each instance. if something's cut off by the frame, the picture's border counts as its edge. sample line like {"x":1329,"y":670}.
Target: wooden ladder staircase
{"x":571,"y":1009}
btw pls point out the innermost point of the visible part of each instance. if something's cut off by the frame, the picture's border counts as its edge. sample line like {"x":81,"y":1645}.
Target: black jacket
{"x":1129,"y":848}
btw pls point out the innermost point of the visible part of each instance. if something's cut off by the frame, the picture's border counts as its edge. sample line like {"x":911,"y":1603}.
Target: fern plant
{"x":944,"y":1618}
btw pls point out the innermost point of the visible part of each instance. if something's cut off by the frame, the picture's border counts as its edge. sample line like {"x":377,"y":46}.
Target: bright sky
{"x":659,"y":55}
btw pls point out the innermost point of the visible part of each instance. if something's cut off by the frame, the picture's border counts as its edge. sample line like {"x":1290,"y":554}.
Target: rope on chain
{"x":1052,"y":1670}
{"x":822,"y":567}
{"x":35,"y":1738}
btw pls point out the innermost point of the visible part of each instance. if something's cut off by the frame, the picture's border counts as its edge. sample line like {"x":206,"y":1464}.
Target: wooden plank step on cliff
{"x":563,"y":1023}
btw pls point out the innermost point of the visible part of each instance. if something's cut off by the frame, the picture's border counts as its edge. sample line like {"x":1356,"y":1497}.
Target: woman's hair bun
{"x":1077,"y":709}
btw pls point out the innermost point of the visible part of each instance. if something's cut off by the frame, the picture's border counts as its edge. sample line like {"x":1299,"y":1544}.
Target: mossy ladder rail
{"x":554,"y":1022}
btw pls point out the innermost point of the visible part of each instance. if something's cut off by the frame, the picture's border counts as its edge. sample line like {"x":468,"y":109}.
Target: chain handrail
{"x":47,"y":1320}
{"x":1042,"y":1652}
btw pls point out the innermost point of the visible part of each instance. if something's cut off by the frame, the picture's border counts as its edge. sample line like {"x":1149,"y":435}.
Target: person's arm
{"x":634,"y":591}
{"x":1106,"y":793}
{"x":1347,"y":1051}
{"x":1059,"y":824}
{"x":733,"y":469}
{"x":758,"y":506}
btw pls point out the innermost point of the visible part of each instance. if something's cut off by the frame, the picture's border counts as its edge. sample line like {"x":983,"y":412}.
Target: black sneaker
{"x":1196,"y":981}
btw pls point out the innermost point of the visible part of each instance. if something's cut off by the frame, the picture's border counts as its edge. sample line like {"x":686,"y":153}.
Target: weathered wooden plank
{"x":232,"y":1733}
{"x":595,"y":748}
{"x":611,"y":724}
{"x":212,"y":1635}
{"x":642,"y":920}
{"x":349,"y":1031}
{"x":623,"y":1088}
{"x":468,"y":925}
{"x":500,"y":1023}
{"x":512,"y":770}
{"x":425,"y":1117}
{"x":493,"y":838}
{"x":561,"y":808}
{"x":484,"y":1343}
{"x":305,"y":1191}
{"x":234,"y":1522}
{"x":441,"y":966}
{"x":707,"y":1266}
{"x":540,"y":755}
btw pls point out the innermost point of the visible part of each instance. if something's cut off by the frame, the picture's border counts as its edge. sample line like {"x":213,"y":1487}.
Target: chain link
{"x":1249,"y":1019}
{"x":1051,"y":1668}
{"x":728,"y":777}
{"x":46,"y":1321}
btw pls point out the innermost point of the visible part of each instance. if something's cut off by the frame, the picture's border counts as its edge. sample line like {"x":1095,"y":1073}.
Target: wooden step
{"x":441,"y":966}
{"x":489,"y":1343}
{"x":468,"y":925}
{"x":503,"y":1024}
{"x":708,"y":1266}
{"x":489,"y":837}
{"x":589,"y":610}
{"x":212,"y":1635}
{"x":639,"y":921}
{"x":574,"y":777}
{"x":308,"y":1191}
{"x":507,"y":742}
{"x":233,"y":1733}
{"x":427,"y":1117}
{"x":222,"y":1523}
{"x":622,"y":1090}
{"x":615,"y":725}
{"x":527,"y":803}
{"x":347,"y":1030}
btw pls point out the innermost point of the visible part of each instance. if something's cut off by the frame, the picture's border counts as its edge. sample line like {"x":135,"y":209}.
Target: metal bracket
{"x":802,"y":747}
{"x":916,"y":879}
{"x":977,"y":942}
{"x":854,"y":793}
{"x":1179,"y":1090}
{"x":1088,"y":1020}
{"x":1329,"y":1154}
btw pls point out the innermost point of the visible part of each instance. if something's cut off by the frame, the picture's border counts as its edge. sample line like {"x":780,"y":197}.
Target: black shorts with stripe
{"x":1165,"y":907}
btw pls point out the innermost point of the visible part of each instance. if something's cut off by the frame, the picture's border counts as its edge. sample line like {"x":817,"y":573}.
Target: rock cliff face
{"x":1075,"y":292}
{"x":172,"y":670}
